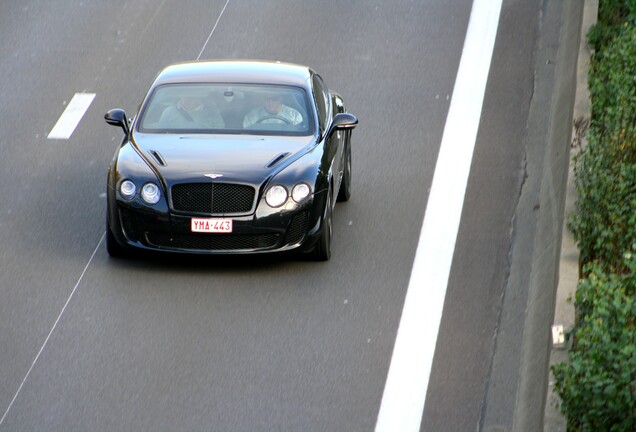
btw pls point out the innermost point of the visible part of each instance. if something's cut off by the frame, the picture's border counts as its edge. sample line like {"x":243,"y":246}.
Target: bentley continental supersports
{"x":230,"y":157}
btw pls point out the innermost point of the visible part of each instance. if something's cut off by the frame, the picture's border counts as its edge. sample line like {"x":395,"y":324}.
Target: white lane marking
{"x":213,"y":28}
{"x":404,"y":395}
{"x":71,"y":116}
{"x":52,"y":330}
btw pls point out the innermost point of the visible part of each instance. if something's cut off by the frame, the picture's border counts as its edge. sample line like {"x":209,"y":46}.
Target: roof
{"x":235,"y":71}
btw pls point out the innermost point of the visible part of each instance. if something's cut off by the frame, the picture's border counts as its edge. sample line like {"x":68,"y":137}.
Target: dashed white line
{"x":405,"y":390}
{"x":63,"y":129}
{"x":71,"y":116}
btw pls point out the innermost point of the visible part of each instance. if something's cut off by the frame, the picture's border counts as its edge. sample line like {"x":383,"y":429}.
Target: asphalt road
{"x":248,"y":344}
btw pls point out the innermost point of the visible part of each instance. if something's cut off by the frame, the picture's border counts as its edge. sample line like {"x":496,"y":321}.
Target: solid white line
{"x":404,"y":395}
{"x":71,"y":116}
{"x":52,"y":330}
{"x":213,"y":28}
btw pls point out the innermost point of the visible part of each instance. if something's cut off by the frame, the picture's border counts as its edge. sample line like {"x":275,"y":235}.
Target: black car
{"x":230,"y":157}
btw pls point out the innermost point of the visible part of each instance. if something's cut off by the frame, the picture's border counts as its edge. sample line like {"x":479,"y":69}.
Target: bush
{"x":598,"y":386}
{"x":612,"y":14}
{"x":604,"y":224}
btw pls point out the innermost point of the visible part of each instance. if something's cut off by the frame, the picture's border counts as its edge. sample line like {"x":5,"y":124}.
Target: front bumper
{"x":273,"y":230}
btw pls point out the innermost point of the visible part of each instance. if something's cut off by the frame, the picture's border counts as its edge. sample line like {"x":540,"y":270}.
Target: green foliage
{"x":612,"y":14}
{"x":598,"y":386}
{"x":616,"y":12}
{"x":604,"y":224}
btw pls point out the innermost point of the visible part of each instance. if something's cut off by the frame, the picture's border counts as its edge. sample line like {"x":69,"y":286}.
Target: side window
{"x":322,"y":101}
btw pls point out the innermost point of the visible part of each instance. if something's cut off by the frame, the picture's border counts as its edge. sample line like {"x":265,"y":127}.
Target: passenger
{"x":272,"y":111}
{"x":191,"y":112}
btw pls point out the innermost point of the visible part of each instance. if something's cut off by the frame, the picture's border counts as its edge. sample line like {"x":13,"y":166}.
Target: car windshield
{"x":224,"y":108}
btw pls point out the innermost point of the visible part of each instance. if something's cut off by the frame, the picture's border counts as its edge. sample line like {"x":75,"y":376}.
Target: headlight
{"x":300,"y":192}
{"x":276,"y":196}
{"x":127,"y":189}
{"x":150,"y":193}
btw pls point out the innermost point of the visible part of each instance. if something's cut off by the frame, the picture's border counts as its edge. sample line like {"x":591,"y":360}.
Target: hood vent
{"x":157,"y":157}
{"x":277,"y":159}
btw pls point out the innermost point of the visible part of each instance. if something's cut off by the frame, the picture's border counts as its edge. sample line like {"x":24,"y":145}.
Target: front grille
{"x":210,"y":242}
{"x":212,"y":198}
{"x":297,"y":229}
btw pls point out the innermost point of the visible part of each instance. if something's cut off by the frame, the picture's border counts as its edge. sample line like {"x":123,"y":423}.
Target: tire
{"x":322,"y":250}
{"x":345,"y":186}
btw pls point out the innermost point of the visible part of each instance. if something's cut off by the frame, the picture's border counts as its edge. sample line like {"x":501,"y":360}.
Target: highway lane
{"x":217,"y":344}
{"x":290,"y":344}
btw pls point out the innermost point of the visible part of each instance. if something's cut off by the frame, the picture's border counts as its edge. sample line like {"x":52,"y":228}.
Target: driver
{"x":272,"y":111}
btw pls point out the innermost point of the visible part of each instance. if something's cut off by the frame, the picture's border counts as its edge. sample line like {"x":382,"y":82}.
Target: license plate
{"x":211,"y":225}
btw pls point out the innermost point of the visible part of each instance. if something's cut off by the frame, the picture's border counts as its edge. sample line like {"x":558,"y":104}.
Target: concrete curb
{"x":529,"y":410}
{"x":569,"y":258}
{"x":517,"y":387}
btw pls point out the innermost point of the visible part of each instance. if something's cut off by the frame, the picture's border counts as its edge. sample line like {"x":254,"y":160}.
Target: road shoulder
{"x":569,"y":258}
{"x":516,"y":390}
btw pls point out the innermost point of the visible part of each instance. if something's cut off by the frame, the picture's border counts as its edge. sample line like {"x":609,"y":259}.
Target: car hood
{"x":233,"y":158}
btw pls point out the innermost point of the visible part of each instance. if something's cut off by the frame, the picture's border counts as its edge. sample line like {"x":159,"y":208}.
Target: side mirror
{"x":343,"y":121}
{"x":117,"y":117}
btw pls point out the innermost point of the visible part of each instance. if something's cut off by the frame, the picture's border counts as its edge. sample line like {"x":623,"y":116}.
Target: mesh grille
{"x":212,"y":198}
{"x":225,"y":242}
{"x":297,"y":229}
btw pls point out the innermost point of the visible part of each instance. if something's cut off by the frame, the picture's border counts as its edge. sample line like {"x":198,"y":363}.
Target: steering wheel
{"x":277,"y":117}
